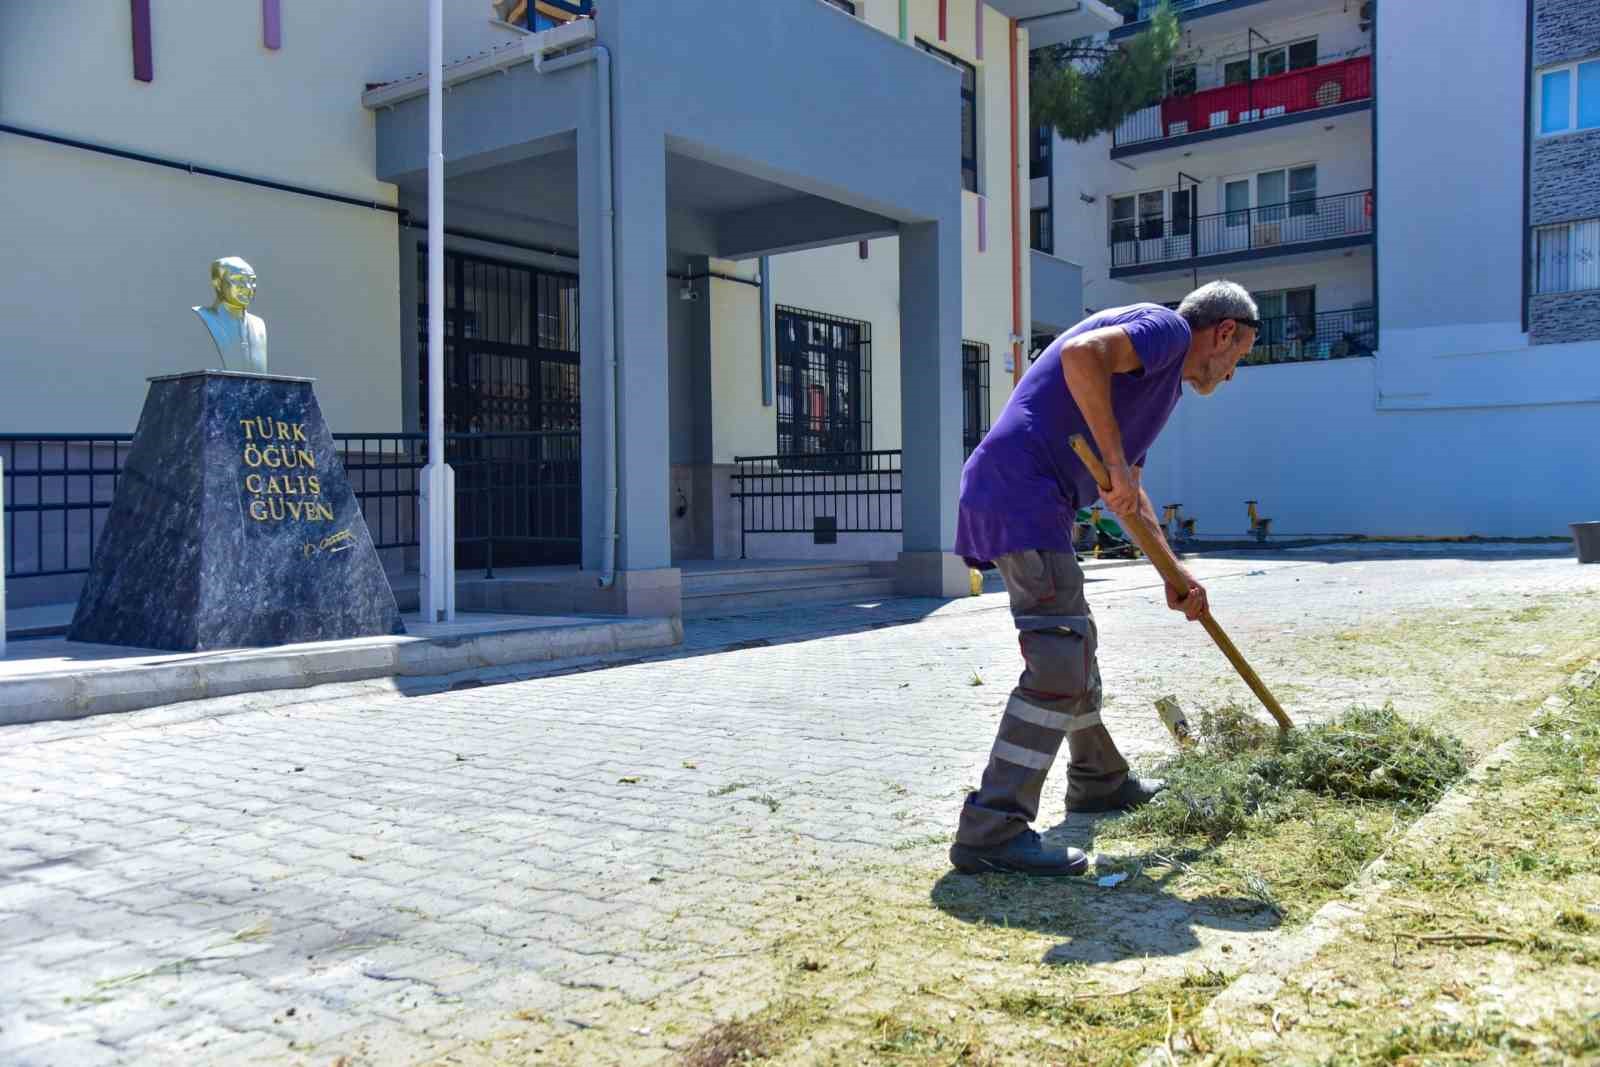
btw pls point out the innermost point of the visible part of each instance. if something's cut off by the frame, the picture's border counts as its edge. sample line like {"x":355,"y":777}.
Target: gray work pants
{"x":1058,"y":697}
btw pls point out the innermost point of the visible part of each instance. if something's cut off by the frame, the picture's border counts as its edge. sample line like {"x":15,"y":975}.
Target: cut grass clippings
{"x":1286,"y":820}
{"x":1241,"y":775}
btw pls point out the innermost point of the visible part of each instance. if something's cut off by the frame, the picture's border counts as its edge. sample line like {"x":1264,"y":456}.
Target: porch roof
{"x":783,"y":126}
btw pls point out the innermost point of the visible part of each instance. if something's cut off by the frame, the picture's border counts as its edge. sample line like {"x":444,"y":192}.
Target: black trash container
{"x":1587,"y":537}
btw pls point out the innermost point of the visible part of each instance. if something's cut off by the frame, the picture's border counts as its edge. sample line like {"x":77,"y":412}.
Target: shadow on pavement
{"x":1137,"y":918}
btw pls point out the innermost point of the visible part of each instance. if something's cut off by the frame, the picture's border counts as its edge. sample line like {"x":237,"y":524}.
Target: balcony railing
{"x":1298,"y":222}
{"x":1324,"y":335}
{"x":844,"y":492}
{"x":1243,"y":103}
{"x":1147,"y":8}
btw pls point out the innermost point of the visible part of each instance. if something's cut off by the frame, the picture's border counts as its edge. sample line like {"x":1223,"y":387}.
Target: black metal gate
{"x":510,"y":367}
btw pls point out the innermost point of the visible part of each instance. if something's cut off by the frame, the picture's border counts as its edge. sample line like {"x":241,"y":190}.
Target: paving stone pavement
{"x":375,"y":874}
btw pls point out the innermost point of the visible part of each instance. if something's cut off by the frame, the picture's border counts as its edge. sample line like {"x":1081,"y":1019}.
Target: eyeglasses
{"x":1254,"y":324}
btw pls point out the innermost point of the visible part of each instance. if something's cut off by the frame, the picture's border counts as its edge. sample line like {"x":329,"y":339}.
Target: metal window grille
{"x":1041,"y":238}
{"x":1566,"y":257}
{"x":1043,"y":156}
{"x":974,"y":394}
{"x":824,"y":395}
{"x":969,"y":114}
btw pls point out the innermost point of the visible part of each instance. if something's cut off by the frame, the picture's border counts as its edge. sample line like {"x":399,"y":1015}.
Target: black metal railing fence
{"x":1323,"y":335}
{"x":518,"y":495}
{"x":843,"y":492}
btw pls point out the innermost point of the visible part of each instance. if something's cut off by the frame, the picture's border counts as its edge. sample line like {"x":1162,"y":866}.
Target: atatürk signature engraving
{"x":342,"y":541}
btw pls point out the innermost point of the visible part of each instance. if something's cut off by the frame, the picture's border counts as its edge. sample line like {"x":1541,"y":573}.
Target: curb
{"x":63,"y":695}
{"x":1258,"y":986}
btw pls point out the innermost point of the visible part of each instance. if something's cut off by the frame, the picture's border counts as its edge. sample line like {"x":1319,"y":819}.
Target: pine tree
{"x":1086,"y":90}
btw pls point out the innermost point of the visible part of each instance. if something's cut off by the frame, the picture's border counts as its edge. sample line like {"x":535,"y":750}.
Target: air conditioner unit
{"x":1267,"y":234}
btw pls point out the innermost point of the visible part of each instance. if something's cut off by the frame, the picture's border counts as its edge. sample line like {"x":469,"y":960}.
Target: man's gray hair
{"x":1215,"y":301}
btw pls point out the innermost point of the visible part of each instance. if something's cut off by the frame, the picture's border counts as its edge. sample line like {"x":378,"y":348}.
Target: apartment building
{"x":816,"y":296}
{"x":1423,"y":257}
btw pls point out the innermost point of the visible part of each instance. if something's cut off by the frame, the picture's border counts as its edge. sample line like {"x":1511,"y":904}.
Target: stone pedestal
{"x":233,"y":526}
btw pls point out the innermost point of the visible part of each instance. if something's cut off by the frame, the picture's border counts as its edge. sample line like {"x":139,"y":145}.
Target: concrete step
{"x":738,"y":601}
{"x":762,"y":575}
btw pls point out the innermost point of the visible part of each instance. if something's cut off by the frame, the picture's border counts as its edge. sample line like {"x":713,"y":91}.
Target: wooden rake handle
{"x":1146,"y":537}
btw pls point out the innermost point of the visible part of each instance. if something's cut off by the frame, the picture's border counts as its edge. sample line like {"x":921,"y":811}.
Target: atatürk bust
{"x":241,"y":337}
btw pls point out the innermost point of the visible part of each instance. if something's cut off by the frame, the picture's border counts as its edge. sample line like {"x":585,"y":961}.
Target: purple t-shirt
{"x":1023,"y":483}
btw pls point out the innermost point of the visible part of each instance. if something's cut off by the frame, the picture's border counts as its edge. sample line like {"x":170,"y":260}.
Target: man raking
{"x":1116,"y":378}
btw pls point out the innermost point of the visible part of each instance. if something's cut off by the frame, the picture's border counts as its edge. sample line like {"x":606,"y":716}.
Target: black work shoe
{"x":1023,"y":854}
{"x":1132,"y":793}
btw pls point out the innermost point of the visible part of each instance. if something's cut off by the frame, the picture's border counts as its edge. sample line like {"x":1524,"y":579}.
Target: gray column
{"x":592,"y":370}
{"x":642,"y":401}
{"x":930,"y":400}
{"x":645,"y":582}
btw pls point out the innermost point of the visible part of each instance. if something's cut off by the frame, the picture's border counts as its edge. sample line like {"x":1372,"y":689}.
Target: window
{"x":1182,"y":211}
{"x":1040,"y":235}
{"x":1236,"y":72}
{"x":1043,"y":151}
{"x":824,"y":388}
{"x":1181,"y":81}
{"x":1150,"y":215}
{"x":1569,"y":98}
{"x":1295,"y":187}
{"x":1303,"y":190}
{"x":974,"y":394}
{"x":1566,"y":257}
{"x":1296,"y":56}
{"x":843,"y":5}
{"x":1287,"y":316}
{"x":1236,"y":202}
{"x":969,"y":115}
{"x":1122,"y":228}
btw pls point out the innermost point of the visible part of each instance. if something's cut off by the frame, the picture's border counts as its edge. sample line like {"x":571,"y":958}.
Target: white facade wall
{"x":1342,"y":279}
{"x":1309,"y":441}
{"x":1459,"y":426}
{"x":838,"y":281}
{"x":109,"y":234}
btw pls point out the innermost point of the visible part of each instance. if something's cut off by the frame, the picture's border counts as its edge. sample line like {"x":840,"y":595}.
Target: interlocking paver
{"x":473,"y":865}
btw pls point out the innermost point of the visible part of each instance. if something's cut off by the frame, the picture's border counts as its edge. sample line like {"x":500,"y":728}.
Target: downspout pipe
{"x":1016,"y":214}
{"x":766,"y":331}
{"x":600,"y":55}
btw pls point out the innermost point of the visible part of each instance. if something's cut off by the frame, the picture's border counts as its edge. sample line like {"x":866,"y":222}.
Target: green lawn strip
{"x":1483,"y":945}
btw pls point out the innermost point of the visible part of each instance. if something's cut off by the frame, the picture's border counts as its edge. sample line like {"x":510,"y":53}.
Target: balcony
{"x":1261,"y":103}
{"x":1227,"y":13}
{"x":1147,"y":8}
{"x":1312,"y":337}
{"x":1311,"y":225}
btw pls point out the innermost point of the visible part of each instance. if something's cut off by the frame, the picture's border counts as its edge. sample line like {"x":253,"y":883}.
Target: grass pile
{"x":1244,"y":776}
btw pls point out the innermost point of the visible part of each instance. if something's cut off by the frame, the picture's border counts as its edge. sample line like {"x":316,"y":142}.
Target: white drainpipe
{"x":601,"y":56}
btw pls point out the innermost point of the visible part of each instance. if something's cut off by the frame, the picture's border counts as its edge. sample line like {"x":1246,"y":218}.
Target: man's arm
{"x":1088,"y":361}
